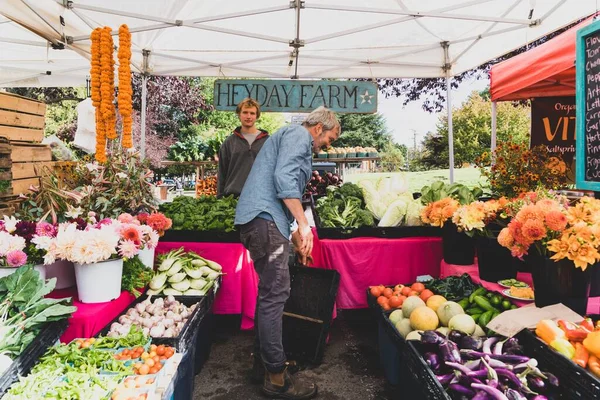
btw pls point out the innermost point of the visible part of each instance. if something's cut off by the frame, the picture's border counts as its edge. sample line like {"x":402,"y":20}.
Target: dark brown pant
{"x":269,"y":250}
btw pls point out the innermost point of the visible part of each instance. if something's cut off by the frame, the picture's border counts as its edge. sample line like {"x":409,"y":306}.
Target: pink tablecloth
{"x":473,"y":271}
{"x":239,"y":287}
{"x":363,"y":262}
{"x":89,"y":319}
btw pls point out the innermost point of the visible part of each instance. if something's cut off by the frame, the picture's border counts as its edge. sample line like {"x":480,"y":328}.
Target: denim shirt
{"x":281,"y":171}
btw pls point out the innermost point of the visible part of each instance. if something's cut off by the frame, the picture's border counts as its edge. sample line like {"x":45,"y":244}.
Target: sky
{"x":401,"y":120}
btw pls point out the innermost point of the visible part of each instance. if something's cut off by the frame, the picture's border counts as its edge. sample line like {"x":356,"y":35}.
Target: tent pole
{"x":494,"y":126}
{"x":450,"y":132}
{"x":143,"y":137}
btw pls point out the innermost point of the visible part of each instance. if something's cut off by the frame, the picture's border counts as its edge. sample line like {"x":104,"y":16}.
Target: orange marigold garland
{"x":95,"y":73}
{"x":107,"y":83}
{"x":125,"y":90}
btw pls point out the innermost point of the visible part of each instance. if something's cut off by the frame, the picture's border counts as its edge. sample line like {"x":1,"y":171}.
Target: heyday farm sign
{"x":297,"y":96}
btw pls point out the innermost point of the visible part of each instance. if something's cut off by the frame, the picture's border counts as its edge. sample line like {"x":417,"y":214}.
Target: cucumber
{"x":485,"y":318}
{"x":475,"y":310}
{"x":476,"y":317}
{"x":483,"y":303}
{"x":477,"y":292}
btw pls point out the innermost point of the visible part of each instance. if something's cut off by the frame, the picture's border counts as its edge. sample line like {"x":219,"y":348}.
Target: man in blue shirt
{"x":268,"y":205}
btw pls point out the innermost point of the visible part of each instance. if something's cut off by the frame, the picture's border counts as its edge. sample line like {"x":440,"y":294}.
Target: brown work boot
{"x":282,"y":386}
{"x":257,"y":373}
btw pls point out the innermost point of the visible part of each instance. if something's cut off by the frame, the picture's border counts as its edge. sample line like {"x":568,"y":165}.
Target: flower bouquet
{"x":457,"y":246}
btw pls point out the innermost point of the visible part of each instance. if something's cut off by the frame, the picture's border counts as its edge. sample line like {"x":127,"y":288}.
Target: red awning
{"x":544,"y":71}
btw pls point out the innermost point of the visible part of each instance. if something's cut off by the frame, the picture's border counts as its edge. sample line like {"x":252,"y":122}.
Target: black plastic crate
{"x":21,"y":365}
{"x":201,"y":236}
{"x":308,"y":312}
{"x":393,"y":232}
{"x":577,"y":382}
{"x":185,"y":340}
{"x":420,"y":380}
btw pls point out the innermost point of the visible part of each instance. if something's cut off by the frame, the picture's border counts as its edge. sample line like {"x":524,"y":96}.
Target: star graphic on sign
{"x":366,"y":98}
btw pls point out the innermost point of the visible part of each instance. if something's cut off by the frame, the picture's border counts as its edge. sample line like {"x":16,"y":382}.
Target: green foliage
{"x":472,"y":124}
{"x":202,"y":214}
{"x":392,"y":158}
{"x":439,"y":190}
{"x":192,"y":149}
{"x":4,"y":185}
{"x":363,"y":130}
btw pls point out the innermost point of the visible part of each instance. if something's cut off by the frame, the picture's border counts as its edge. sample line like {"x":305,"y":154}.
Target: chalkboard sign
{"x":588,"y":107}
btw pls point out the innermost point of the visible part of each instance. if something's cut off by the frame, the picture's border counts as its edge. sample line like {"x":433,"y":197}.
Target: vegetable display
{"x":453,"y":287}
{"x":206,"y":186}
{"x":390,"y":203}
{"x":485,"y":367}
{"x":202,"y":214}
{"x":161,"y":318}
{"x":184,"y":274}
{"x":343,"y":207}
{"x":579,"y":343}
{"x":24,"y":310}
{"x":90,"y":369}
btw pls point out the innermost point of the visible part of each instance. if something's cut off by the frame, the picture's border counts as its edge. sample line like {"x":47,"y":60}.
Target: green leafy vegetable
{"x":343,"y":208}
{"x":202,"y":214}
{"x":135,"y":275}
{"x":453,"y":287}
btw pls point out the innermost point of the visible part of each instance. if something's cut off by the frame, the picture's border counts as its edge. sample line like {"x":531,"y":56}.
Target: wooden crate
{"x":5,"y":167}
{"x":21,"y":119}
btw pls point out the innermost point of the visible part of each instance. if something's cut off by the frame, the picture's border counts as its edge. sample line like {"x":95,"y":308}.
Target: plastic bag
{"x":85,"y":135}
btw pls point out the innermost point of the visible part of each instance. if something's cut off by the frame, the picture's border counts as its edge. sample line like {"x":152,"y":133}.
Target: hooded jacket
{"x":236,"y":157}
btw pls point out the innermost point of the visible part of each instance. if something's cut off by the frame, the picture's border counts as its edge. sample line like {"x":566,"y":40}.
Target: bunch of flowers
{"x":539,"y":219}
{"x":580,"y":240}
{"x":438,"y":212}
{"x":145,"y":236}
{"x":476,"y":217}
{"x":31,"y":235}
{"x":514,"y":169}
{"x":96,"y":96}
{"x":11,"y":248}
{"x":157,"y":221}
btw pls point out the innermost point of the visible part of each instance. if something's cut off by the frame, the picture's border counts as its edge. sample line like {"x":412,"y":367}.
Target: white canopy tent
{"x":46,"y":42}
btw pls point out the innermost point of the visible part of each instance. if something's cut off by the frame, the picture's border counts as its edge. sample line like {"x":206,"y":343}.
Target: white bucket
{"x":99,"y":282}
{"x":9,"y":271}
{"x":147,"y":257}
{"x":64,"y":273}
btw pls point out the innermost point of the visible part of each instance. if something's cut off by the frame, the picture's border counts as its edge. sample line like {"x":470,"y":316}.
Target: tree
{"x":363,"y":130}
{"x":472,"y":131}
{"x":433,"y":91}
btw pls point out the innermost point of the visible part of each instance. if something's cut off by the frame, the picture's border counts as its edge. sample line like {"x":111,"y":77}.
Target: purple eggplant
{"x":445,"y":379}
{"x":470,"y":343}
{"x":432,"y":360}
{"x":450,"y":352}
{"x":536,"y":383}
{"x":513,"y":394}
{"x":459,"y":367}
{"x":471,"y":355}
{"x":481,"y":395}
{"x":512,"y":346}
{"x":488,"y":343}
{"x":498,"y":347}
{"x":458,"y":388}
{"x":456,"y":336}
{"x":510,"y":376}
{"x":492,"y":391}
{"x":539,"y":397}
{"x":432,"y":337}
{"x":552,"y":380}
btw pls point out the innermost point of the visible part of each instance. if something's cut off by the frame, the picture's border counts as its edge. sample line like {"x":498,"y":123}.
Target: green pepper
{"x":475,"y":310}
{"x":483,"y":303}
{"x":481,"y":291}
{"x":476,"y":317}
{"x":485,"y":318}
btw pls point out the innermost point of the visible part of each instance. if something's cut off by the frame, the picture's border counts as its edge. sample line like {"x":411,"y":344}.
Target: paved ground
{"x":350,"y":368}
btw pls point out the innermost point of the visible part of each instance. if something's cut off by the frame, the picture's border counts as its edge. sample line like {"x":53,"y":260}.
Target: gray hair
{"x":323,"y":116}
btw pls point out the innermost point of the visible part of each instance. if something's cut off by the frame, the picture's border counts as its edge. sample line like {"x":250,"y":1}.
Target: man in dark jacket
{"x":239,"y":150}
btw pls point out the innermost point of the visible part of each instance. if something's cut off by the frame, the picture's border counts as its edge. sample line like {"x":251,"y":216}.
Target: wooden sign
{"x":588,"y":108}
{"x":297,"y":96}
